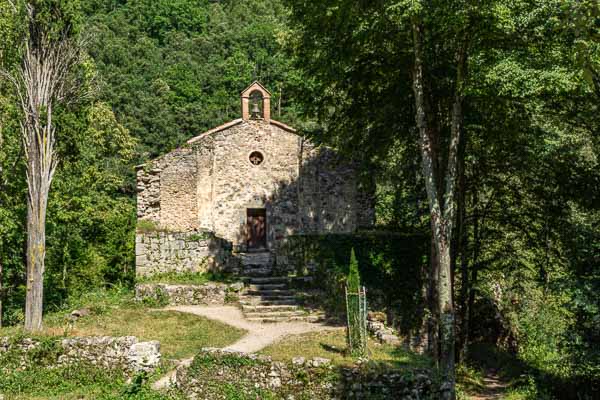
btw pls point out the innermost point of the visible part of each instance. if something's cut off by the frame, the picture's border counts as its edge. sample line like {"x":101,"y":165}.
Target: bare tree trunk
{"x":36,"y":253}
{"x":43,"y":79}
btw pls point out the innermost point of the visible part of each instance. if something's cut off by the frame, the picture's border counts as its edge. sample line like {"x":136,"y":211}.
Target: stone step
{"x":273,"y":297}
{"x":275,"y":314}
{"x":267,"y":286}
{"x":258,"y":301}
{"x":269,"y":294}
{"x":265,"y":279}
{"x":272,"y":319}
{"x":268,"y":308}
{"x":257,"y":272}
{"x":259,"y":258}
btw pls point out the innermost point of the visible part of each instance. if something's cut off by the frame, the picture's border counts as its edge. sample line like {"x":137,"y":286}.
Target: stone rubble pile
{"x":376,"y":326}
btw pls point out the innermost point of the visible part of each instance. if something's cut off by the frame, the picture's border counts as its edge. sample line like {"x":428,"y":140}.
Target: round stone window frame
{"x":259,"y":153}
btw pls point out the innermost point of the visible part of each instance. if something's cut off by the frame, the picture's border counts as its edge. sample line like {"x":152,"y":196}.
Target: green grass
{"x":115,"y":313}
{"x":332,"y":345}
{"x":74,"y":382}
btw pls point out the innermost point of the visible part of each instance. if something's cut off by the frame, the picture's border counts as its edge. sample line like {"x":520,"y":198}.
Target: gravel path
{"x":494,"y":389}
{"x":258,"y":336}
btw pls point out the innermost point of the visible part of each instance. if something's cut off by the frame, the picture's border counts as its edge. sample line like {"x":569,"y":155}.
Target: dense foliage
{"x":157,"y":73}
{"x":526,"y":245}
{"x":526,"y":249}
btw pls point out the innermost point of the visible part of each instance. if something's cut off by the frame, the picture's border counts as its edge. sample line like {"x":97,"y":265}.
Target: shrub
{"x":390,"y":266}
{"x":356,"y":311}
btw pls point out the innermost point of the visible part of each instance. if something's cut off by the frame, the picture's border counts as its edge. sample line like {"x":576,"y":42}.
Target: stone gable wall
{"x":238,"y":184}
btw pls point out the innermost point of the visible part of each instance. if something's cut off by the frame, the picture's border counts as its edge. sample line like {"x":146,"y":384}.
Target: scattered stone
{"x":298,"y":360}
{"x":378,"y":329}
{"x":83,"y":312}
{"x":236,"y":287}
{"x":319,"y":362}
{"x":377,"y":316}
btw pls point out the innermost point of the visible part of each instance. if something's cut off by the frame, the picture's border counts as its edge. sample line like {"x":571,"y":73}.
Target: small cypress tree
{"x":353,"y":281}
{"x":356,"y":330}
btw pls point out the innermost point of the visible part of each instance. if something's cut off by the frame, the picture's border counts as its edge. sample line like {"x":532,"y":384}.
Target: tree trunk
{"x":474,"y":265}
{"x":1,"y":288}
{"x":44,"y":79}
{"x":36,"y":253}
{"x":432,"y":301}
{"x":440,"y":227}
{"x":442,"y":213}
{"x":462,"y":249}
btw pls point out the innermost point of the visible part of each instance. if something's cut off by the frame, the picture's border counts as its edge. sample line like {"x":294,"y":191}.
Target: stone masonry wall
{"x":239,"y":185}
{"x":211,"y":293}
{"x":210,"y":183}
{"x":257,"y":376}
{"x":160,"y":252}
{"x":125,"y":353}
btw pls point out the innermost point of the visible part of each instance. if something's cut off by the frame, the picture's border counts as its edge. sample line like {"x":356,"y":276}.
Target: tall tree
{"x":43,"y":81}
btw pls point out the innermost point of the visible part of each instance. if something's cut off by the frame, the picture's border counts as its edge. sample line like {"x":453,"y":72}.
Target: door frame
{"x":256,"y":212}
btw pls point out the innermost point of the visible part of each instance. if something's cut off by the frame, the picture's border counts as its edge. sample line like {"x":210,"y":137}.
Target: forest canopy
{"x":525,"y":249}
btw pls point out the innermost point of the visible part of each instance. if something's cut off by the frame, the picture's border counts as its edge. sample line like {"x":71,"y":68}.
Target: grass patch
{"x":468,"y":380}
{"x":332,"y":345}
{"x":75,"y":382}
{"x":115,"y":313}
{"x":181,"y":335}
{"x":146,"y":226}
{"x":187,"y":278}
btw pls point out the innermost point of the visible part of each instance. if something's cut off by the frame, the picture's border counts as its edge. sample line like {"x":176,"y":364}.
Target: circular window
{"x":256,"y":158}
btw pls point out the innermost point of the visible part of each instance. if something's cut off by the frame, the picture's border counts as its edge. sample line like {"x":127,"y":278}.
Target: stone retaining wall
{"x":212,"y":293}
{"x":213,"y":372}
{"x":124,"y":353}
{"x":160,"y":252}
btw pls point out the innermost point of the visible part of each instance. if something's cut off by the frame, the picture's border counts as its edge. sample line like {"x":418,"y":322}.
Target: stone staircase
{"x":267,"y":297}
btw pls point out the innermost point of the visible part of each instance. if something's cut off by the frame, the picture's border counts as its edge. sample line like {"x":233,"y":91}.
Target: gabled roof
{"x":233,"y":123}
{"x":215,"y":130}
{"x":253,"y":86}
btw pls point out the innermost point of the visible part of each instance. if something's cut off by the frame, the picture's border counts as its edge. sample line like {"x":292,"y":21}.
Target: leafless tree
{"x":43,"y":80}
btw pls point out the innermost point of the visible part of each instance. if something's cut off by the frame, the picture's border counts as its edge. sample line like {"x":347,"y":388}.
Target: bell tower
{"x":256,"y":102}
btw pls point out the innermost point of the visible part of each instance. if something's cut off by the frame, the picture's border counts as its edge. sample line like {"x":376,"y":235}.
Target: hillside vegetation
{"x":525,"y":247}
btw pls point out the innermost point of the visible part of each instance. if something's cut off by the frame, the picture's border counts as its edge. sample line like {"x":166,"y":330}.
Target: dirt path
{"x":258,"y":336}
{"x":495,"y":388}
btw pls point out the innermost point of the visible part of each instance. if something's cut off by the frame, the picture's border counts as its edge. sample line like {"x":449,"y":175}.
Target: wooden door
{"x":257,"y":228}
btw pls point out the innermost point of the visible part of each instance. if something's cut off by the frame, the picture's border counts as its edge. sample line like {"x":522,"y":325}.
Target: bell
{"x":255,"y":110}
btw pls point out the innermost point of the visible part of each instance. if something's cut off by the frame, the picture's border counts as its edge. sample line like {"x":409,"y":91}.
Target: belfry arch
{"x":256,"y":90}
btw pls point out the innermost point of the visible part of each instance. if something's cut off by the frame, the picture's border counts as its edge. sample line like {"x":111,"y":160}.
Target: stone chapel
{"x":243,"y":187}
